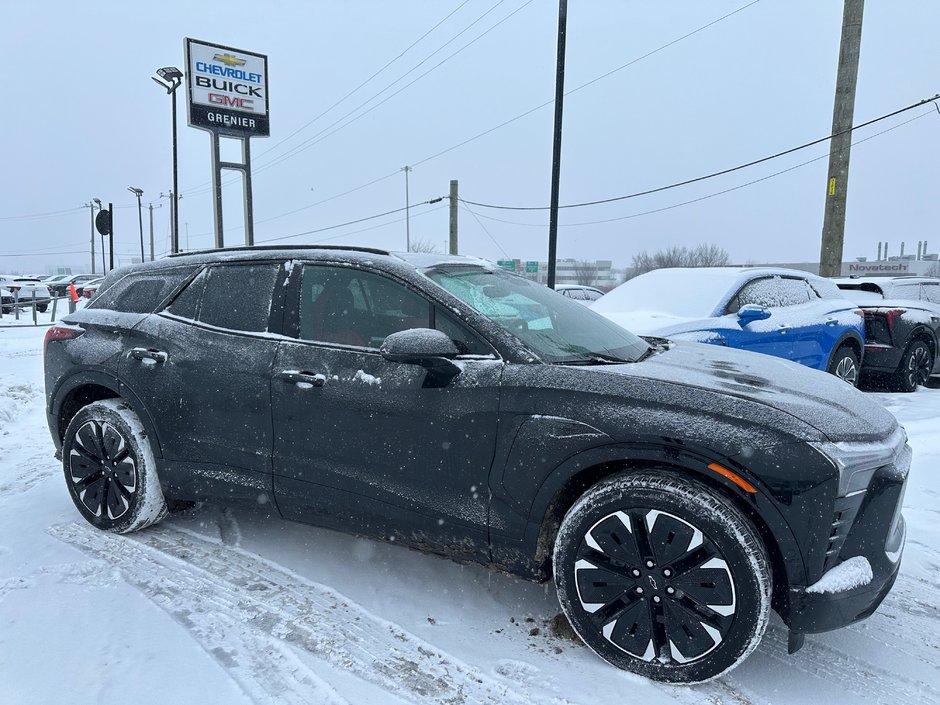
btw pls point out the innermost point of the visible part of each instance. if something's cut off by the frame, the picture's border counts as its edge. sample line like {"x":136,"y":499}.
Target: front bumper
{"x":870,"y":525}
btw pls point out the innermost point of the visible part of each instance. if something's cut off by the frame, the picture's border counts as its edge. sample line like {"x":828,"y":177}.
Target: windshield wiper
{"x":595,"y":359}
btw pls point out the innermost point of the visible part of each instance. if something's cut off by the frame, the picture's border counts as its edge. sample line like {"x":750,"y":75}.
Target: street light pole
{"x":104,"y":268}
{"x":171,"y":78}
{"x":140,"y":218}
{"x":407,"y":169}
{"x":556,"y":146}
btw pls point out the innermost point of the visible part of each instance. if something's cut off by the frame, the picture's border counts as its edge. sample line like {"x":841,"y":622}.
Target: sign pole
{"x":217,"y":190}
{"x":111,"y":232}
{"x":249,"y":209}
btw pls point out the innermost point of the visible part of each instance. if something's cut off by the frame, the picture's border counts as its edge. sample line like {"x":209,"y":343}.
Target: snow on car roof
{"x":685,"y":292}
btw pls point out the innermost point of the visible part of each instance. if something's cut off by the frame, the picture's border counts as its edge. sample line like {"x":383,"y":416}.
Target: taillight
{"x":892,"y":314}
{"x":59,"y":333}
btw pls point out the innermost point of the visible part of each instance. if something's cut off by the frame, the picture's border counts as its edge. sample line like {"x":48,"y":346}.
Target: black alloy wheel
{"x":102,"y":470}
{"x":660,"y":576}
{"x":110,"y":470}
{"x":915,"y":368}
{"x":844,"y":365}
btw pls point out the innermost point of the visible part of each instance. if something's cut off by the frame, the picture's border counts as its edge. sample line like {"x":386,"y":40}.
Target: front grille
{"x":843,"y":518}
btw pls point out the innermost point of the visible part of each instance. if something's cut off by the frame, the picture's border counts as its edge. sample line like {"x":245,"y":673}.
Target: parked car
{"x":61,"y":287}
{"x":674,"y":492}
{"x":902,"y":329}
{"x":782,"y":312}
{"x":582,"y":294}
{"x":26,"y":290}
{"x":91,"y":288}
{"x":6,"y":301}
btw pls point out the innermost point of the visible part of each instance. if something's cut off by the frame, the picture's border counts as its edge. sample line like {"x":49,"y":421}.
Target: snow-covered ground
{"x":222,"y":606}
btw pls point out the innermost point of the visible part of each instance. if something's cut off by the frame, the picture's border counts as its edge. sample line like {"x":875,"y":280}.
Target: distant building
{"x":597,"y":273}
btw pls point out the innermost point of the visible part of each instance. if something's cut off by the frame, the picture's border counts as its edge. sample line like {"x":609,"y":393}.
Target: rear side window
{"x":238,"y":296}
{"x":932,"y":292}
{"x":141,"y":293}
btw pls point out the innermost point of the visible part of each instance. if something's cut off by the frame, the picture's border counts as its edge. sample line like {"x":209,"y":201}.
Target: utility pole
{"x":843,"y":112}
{"x":407,"y":169}
{"x":104,"y":269}
{"x":453,"y":217}
{"x":556,"y":147}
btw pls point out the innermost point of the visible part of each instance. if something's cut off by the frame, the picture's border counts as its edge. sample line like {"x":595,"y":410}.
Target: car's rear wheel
{"x":110,"y":469}
{"x":844,"y":365}
{"x":915,"y":368}
{"x":42,"y":307}
{"x":660,"y":575}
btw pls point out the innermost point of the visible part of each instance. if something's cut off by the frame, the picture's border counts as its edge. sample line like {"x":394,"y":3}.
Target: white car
{"x":582,"y":294}
{"x":24,"y":289}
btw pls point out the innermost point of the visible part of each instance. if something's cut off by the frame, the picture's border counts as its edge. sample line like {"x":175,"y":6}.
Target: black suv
{"x":674,"y":492}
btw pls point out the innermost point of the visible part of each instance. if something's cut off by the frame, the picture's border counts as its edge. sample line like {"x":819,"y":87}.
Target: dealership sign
{"x":228,"y":90}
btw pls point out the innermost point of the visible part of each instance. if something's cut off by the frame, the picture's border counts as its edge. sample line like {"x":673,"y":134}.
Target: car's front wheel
{"x":844,"y":365}
{"x":915,"y":368}
{"x":660,"y":575}
{"x":110,"y":469}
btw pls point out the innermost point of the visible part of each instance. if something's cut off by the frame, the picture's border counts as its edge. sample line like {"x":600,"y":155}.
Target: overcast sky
{"x":83,"y":119}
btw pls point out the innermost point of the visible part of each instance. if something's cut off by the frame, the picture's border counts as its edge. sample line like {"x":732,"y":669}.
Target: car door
{"x":364,"y":444}
{"x":202,"y":369}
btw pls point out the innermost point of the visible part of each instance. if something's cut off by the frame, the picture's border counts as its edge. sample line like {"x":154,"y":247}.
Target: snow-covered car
{"x":90,"y":288}
{"x":26,"y":290}
{"x":902,"y":329}
{"x":582,"y":294}
{"x":674,"y":492}
{"x":60,"y":287}
{"x":783,"y":312}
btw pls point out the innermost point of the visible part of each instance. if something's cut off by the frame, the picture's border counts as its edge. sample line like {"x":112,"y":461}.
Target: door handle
{"x":148,"y":354}
{"x":304,"y":380}
{"x":832,"y":321}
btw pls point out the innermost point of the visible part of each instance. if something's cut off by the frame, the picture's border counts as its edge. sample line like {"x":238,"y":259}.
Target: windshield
{"x":556,"y":328}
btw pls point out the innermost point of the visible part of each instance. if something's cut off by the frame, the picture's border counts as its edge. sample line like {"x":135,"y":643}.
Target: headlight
{"x":857,"y":462}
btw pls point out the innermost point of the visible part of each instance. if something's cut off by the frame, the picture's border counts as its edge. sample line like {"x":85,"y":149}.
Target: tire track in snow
{"x":242,"y":609}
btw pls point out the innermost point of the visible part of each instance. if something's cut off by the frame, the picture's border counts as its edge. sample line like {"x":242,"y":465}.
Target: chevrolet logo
{"x":229,"y":60}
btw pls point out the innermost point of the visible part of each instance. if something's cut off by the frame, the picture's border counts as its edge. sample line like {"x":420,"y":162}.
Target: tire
{"x":42,"y":307}
{"x":613,"y":598}
{"x":844,"y":365}
{"x":126,"y":496}
{"x":914,"y":369}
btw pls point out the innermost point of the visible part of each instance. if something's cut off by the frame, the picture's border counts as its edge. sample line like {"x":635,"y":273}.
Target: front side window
{"x":349,"y":306}
{"x":773,"y":292}
{"x":553,"y":326}
{"x":238,"y":296}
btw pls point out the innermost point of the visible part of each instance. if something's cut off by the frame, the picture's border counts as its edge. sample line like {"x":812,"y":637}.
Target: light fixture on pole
{"x":170,"y":78}
{"x":104,"y":269}
{"x":140,"y":218}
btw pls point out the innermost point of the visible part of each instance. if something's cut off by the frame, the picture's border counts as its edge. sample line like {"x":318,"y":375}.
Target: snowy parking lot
{"x":217,"y":605}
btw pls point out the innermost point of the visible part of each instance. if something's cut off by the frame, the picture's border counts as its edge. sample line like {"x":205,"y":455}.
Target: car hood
{"x":834,"y":408}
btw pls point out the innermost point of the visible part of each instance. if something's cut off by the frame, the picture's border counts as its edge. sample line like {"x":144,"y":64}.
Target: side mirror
{"x":428,"y":348}
{"x":752,"y":312}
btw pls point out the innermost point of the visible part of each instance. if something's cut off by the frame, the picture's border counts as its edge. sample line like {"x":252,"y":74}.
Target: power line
{"x":353,"y":222}
{"x":488,"y":234}
{"x":659,"y":189}
{"x":36,"y":216}
{"x":710,"y":195}
{"x":320,"y":136}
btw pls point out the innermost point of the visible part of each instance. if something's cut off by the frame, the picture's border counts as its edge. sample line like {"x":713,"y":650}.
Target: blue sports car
{"x":782,"y":312}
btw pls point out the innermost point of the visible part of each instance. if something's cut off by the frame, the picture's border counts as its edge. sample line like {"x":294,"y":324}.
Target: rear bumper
{"x":881,"y":358}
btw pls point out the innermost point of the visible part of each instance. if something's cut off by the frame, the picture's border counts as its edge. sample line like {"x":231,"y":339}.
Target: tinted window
{"x":186,"y":303}
{"x":137,"y":293}
{"x":238,"y":296}
{"x":773,"y":292}
{"x":351,"y":307}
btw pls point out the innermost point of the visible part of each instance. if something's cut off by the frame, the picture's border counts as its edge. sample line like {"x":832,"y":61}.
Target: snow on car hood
{"x":826,"y":403}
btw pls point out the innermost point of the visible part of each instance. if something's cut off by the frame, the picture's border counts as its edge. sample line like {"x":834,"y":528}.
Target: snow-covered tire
{"x":914,"y":369}
{"x":662,"y":576}
{"x":844,"y":365}
{"x":110,"y":469}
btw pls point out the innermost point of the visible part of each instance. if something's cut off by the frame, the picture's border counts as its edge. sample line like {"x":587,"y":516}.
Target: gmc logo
{"x":231,"y":101}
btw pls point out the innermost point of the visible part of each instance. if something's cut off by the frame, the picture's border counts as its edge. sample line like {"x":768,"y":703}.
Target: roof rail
{"x":253,"y":248}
